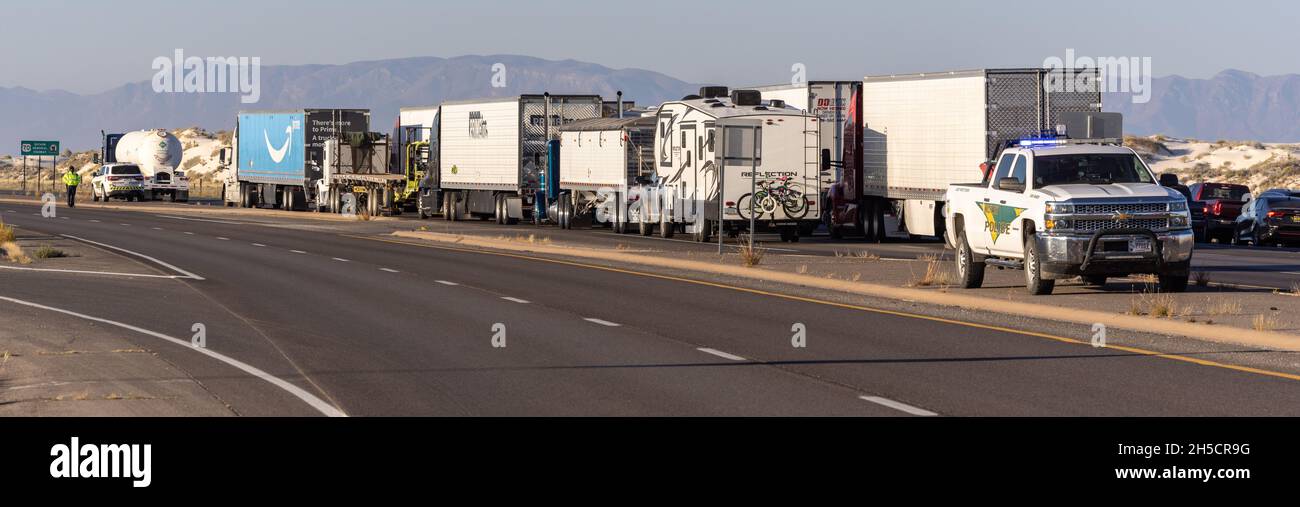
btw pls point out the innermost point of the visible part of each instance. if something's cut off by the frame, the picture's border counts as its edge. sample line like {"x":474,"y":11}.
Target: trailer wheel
{"x":666,"y":226}
{"x":498,"y":213}
{"x":789,"y":234}
{"x":646,"y":228}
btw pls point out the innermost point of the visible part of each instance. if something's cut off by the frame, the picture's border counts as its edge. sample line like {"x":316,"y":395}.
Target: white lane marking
{"x":65,"y":218}
{"x":1290,"y":273}
{"x":189,"y":233}
{"x":78,"y":271}
{"x":721,"y":354}
{"x":138,"y":254}
{"x":601,"y":322}
{"x":223,"y":239}
{"x":95,"y":221}
{"x":11,"y":211}
{"x":515,"y":300}
{"x":157,"y":228}
{"x":389,"y":270}
{"x":340,"y":259}
{"x":444,"y":282}
{"x":316,"y":403}
{"x":298,"y":251}
{"x":124,"y":225}
{"x":259,"y":245}
{"x":899,"y":406}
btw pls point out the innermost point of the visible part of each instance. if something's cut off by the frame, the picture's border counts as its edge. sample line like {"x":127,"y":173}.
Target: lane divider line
{"x":84,"y":272}
{"x":298,"y":251}
{"x":138,"y":254}
{"x":602,"y":322}
{"x":444,"y":282}
{"x":721,"y":354}
{"x":515,"y":300}
{"x":389,"y":270}
{"x":340,"y":259}
{"x":259,"y":245}
{"x":311,"y":399}
{"x":900,"y":406}
{"x":223,"y":239}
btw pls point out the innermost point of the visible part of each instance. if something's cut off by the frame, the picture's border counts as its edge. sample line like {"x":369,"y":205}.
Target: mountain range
{"x":1232,"y":105}
{"x":383,"y":86}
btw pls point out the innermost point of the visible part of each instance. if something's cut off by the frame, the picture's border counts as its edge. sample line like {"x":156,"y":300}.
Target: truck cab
{"x":1059,"y":209}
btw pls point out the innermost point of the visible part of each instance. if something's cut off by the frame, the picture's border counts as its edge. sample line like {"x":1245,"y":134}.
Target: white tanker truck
{"x":158,"y":154}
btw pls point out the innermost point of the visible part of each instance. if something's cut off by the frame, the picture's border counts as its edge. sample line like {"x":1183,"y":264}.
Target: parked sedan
{"x":1269,"y":219}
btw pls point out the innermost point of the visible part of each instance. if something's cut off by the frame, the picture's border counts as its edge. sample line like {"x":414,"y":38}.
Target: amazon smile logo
{"x":278,"y":154}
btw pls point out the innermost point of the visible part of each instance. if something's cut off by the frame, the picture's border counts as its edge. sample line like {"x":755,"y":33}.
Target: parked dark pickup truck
{"x":1222,"y":207}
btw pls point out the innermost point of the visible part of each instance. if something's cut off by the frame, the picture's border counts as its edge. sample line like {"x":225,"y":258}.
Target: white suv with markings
{"x":117,"y":180}
{"x":1060,"y":209}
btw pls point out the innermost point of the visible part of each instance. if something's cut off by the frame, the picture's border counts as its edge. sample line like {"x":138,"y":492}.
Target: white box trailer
{"x":923,"y":132}
{"x":492,"y":152}
{"x":600,"y":160}
{"x":720,"y":158}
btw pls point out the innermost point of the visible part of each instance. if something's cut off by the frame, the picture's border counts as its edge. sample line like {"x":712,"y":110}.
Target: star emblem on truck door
{"x":998,"y":218}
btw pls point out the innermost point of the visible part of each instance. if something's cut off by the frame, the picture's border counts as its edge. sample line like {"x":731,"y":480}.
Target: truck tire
{"x":500,"y":214}
{"x":666,"y":226}
{"x":1173,"y":282}
{"x":789,"y":234}
{"x":1034,"y":281}
{"x":703,"y":231}
{"x":647,"y":228}
{"x":970,"y":267}
{"x":868,"y":220}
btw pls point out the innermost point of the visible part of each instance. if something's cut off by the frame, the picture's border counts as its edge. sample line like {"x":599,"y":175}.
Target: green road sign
{"x":40,"y":148}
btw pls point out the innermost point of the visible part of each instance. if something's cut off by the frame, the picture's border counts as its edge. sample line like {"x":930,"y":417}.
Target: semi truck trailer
{"x":157,"y":153}
{"x":492,"y":152}
{"x":276,"y":157}
{"x":600,"y":160}
{"x":925,"y":132}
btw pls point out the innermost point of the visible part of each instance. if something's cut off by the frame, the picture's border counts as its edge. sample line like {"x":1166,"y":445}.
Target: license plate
{"x":1139,"y":246}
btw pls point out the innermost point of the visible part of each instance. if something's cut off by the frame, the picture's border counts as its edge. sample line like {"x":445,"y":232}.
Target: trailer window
{"x":1089,"y":169}
{"x":743,"y":145}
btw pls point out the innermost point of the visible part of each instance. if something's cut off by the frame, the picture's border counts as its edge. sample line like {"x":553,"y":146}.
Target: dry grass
{"x":1223,"y":306}
{"x":363,"y":214}
{"x":802,"y":269}
{"x":750,"y":256}
{"x":865,"y":255}
{"x":935,"y":273}
{"x":6,"y":233}
{"x":14,"y":253}
{"x":1158,"y":305}
{"x":1265,"y":323}
{"x":49,"y":252}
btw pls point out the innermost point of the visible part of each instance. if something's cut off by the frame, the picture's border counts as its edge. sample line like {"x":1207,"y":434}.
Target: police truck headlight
{"x":1177,"y":206}
{"x":1179,"y":221}
{"x":1058,"y":208}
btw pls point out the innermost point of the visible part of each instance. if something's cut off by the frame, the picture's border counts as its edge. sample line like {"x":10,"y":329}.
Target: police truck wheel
{"x":970,"y":267}
{"x":1034,"y":281}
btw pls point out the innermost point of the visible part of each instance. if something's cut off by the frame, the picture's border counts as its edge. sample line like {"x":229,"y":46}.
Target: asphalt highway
{"x":325,"y":323}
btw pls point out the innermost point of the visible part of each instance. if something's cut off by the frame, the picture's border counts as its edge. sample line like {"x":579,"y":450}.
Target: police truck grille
{"x":1135,"y":223}
{"x":1092,"y":209}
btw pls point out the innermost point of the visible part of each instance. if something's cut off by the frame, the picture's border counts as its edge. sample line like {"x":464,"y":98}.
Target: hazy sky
{"x":90,"y":46}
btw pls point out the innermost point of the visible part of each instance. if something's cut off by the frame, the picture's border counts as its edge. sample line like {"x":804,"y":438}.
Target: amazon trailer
{"x":838,"y":108}
{"x":493,"y":152}
{"x":276,"y":157}
{"x":415,"y":151}
{"x":923,"y":132}
{"x":721,"y":158}
{"x":600,"y":161}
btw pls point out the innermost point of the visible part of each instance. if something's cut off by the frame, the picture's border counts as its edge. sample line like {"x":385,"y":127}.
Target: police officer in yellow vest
{"x":71,"y":179}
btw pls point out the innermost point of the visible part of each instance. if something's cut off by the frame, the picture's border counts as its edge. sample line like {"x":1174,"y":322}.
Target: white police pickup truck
{"x":1061,"y":209}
